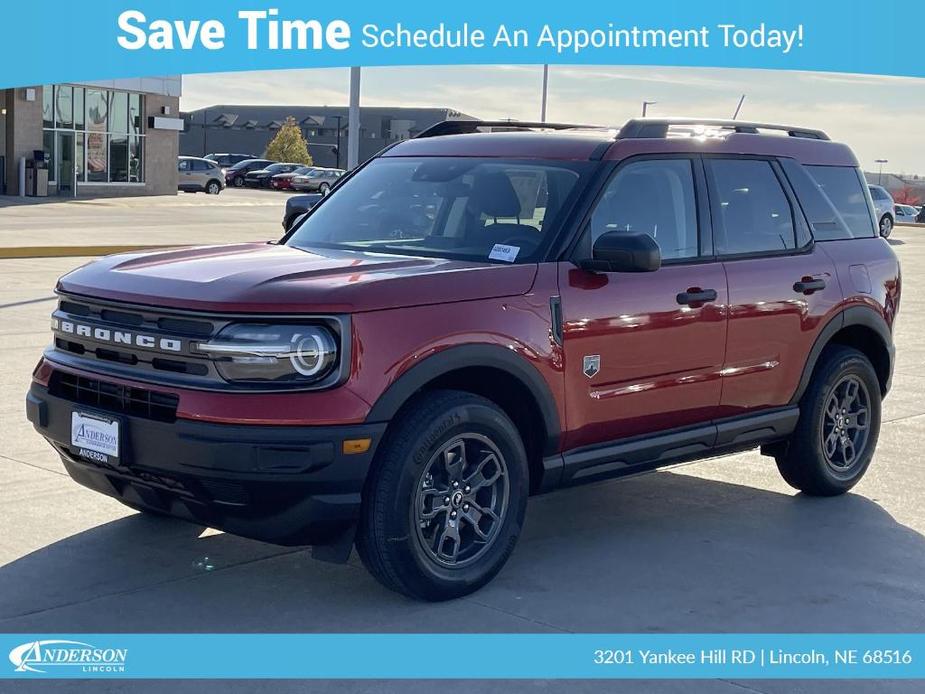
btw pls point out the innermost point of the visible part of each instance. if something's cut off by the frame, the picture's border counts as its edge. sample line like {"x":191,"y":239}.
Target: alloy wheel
{"x":846,"y":425}
{"x":461,"y":500}
{"x":886,"y":227}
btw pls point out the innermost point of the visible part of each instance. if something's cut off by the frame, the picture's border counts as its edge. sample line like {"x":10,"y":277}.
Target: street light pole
{"x":339,"y":118}
{"x":353,"y":120}
{"x":880,"y":175}
{"x":645,"y":107}
{"x":545,"y":92}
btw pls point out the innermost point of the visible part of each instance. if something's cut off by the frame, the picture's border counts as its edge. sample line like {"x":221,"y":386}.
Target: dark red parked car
{"x":283,"y":181}
{"x":472,"y":317}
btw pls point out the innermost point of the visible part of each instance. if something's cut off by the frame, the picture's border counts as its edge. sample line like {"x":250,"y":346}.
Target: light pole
{"x":880,"y":175}
{"x":645,"y":107}
{"x":545,"y":91}
{"x":339,"y":118}
{"x":353,"y":120}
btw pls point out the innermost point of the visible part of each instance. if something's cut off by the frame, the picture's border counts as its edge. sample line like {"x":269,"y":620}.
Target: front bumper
{"x":282,"y":484}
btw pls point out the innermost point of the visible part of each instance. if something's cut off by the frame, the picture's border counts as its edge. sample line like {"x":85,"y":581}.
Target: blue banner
{"x":474,"y":656}
{"x":66,"y":41}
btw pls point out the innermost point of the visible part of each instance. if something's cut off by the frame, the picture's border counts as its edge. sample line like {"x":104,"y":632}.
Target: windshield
{"x":455,"y":207}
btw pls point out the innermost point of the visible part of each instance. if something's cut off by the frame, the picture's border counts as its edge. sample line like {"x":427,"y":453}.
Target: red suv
{"x":473,"y":317}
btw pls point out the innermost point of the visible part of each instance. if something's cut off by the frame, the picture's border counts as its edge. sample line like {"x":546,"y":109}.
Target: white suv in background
{"x":195,"y":174}
{"x":883,"y":206}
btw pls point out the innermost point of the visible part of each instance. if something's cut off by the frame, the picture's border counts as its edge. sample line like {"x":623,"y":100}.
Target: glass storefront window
{"x":136,"y":172}
{"x":64,"y":107}
{"x":48,"y":106}
{"x":48,"y":146}
{"x":79,"y":157}
{"x":97,"y":158}
{"x":97,"y":110}
{"x":78,"y":108}
{"x":135,"y":114}
{"x":118,"y":158}
{"x":118,"y":112}
{"x":107,"y":131}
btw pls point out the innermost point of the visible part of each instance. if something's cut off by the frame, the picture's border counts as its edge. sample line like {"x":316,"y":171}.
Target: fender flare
{"x":467,"y":356}
{"x":853,"y":315}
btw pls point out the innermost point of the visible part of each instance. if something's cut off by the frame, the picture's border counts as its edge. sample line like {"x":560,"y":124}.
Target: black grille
{"x":112,"y":397}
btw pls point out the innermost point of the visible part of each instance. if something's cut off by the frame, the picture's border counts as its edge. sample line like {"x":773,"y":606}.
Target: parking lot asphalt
{"x":718,"y":546}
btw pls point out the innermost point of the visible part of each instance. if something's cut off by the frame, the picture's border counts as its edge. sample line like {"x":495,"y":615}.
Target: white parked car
{"x":883,"y":206}
{"x":905,"y":214}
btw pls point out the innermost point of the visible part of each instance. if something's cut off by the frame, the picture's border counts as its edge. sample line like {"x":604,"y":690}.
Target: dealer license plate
{"x":95,"y":437}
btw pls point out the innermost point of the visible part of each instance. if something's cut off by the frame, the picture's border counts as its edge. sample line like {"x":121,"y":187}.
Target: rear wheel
{"x":835,"y":438}
{"x":886,"y":226}
{"x":445,"y":501}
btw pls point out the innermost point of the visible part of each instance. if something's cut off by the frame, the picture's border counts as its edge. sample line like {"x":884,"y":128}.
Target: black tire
{"x":886,"y":226}
{"x":213,"y":188}
{"x":238,"y":182}
{"x":392,"y":536}
{"x":803,"y":461}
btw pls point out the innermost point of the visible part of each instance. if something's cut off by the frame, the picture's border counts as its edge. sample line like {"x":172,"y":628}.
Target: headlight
{"x":262,"y":354}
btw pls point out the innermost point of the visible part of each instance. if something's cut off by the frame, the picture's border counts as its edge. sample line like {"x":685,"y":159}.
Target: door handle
{"x":808,"y":285}
{"x":696,"y":295}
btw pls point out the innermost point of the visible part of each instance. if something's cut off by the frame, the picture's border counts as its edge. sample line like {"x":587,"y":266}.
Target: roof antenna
{"x":739,"y":107}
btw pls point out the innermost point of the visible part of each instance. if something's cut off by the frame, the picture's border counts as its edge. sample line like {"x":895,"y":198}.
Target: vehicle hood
{"x":267,"y":278}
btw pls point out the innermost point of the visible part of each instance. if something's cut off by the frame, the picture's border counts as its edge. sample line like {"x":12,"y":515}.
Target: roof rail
{"x":659,"y":127}
{"x":462,"y":127}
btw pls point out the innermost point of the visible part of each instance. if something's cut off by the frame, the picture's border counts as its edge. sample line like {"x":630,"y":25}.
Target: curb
{"x":75,"y":251}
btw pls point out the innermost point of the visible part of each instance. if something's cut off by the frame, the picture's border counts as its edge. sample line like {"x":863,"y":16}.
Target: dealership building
{"x":249,"y":129}
{"x":109,"y":138}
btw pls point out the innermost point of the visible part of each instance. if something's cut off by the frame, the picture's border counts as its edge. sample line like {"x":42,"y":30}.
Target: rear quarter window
{"x":834,"y":199}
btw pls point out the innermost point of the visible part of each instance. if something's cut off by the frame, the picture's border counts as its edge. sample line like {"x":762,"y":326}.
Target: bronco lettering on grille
{"x":121,"y":337}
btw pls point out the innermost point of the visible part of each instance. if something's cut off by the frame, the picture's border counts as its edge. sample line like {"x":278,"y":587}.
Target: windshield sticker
{"x":506,"y":253}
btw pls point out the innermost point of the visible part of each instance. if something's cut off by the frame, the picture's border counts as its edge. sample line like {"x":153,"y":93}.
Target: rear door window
{"x":755,"y":215}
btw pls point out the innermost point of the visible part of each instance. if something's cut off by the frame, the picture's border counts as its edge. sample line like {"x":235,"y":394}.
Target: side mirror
{"x":620,"y":251}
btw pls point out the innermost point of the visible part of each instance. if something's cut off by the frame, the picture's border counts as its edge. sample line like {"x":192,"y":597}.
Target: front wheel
{"x":832,"y":446}
{"x":886,"y":226}
{"x":444,"y":504}
{"x":324,"y":188}
{"x":213,"y":188}
{"x":238,"y":182}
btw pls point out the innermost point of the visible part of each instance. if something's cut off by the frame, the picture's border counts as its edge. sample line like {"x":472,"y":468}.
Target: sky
{"x":880,"y":117}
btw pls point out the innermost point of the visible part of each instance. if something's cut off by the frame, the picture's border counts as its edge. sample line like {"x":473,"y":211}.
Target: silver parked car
{"x":317,"y":180}
{"x":906,"y":214}
{"x":883,"y":206}
{"x":195,"y":174}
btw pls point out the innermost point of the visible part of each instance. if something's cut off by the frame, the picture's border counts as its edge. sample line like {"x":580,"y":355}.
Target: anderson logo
{"x":40,"y":656}
{"x":118,"y":337}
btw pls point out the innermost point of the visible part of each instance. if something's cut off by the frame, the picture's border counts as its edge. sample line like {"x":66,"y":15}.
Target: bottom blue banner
{"x":449,"y":656}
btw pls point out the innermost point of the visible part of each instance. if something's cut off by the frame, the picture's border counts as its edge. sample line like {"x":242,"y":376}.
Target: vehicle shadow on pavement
{"x":660,"y":553}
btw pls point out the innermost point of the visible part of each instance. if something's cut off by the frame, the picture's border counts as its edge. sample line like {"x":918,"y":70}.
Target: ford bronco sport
{"x":474,"y":316}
